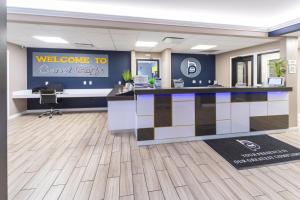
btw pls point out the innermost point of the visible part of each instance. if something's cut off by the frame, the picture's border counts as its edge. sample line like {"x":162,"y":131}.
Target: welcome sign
{"x":46,"y":64}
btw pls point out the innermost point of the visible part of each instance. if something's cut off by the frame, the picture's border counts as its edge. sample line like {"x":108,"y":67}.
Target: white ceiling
{"x":253,"y":13}
{"x":121,"y":40}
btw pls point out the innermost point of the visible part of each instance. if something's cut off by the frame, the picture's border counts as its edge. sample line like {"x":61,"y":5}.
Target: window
{"x":148,"y":67}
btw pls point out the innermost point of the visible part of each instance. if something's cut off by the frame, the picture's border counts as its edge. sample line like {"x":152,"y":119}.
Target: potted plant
{"x":151,"y":82}
{"x":127,"y":78}
{"x":278,"y":67}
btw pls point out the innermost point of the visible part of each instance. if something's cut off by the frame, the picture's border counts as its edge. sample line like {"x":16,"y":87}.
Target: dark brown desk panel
{"x":205,"y":114}
{"x":162,"y":110}
{"x":145,"y":134}
{"x":249,"y":96}
{"x":264,"y":123}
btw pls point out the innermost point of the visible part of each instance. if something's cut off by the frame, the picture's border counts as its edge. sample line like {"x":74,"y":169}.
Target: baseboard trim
{"x":208,"y":137}
{"x":294,"y":129}
{"x":68,"y":110}
{"x":123,"y":131}
{"x":16,"y":115}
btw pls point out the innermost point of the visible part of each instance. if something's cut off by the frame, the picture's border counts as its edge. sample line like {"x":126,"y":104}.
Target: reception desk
{"x":170,"y":115}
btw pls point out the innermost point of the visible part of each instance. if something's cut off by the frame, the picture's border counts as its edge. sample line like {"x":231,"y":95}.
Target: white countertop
{"x":68,"y":93}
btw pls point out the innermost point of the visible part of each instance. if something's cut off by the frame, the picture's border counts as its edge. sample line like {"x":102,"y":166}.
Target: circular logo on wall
{"x":190,"y":67}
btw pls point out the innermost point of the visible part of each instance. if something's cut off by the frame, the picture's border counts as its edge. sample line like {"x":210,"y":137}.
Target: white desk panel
{"x":240,"y":117}
{"x":68,"y":93}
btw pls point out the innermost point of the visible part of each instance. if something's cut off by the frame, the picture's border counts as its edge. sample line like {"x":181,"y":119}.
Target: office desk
{"x":68,"y":93}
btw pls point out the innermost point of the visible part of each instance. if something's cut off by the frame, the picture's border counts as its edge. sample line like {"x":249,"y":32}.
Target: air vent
{"x":85,"y":45}
{"x":210,"y":51}
{"x":173,"y":40}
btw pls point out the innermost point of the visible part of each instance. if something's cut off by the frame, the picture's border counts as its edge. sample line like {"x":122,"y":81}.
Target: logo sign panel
{"x":69,"y":65}
{"x":190,"y":67}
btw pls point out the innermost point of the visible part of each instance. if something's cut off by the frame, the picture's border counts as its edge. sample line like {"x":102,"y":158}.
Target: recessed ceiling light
{"x":50,"y":39}
{"x":145,"y":44}
{"x":203,"y":47}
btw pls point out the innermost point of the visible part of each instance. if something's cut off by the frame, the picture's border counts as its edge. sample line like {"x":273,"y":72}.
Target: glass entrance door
{"x":242,"y":71}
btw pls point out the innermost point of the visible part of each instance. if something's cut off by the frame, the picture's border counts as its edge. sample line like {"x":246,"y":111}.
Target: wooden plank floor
{"x":75,"y":157}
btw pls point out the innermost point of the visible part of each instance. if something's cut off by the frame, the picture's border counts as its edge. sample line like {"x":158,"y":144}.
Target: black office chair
{"x":48,"y":97}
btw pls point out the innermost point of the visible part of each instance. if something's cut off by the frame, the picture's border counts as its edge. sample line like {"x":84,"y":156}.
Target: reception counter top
{"x":208,"y":90}
{"x":120,"y":94}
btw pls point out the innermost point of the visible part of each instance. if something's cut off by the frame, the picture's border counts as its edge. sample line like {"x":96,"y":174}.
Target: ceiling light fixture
{"x":145,"y":44}
{"x":203,"y":47}
{"x":50,"y":39}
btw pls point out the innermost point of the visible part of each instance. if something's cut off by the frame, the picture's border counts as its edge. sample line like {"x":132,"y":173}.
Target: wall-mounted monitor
{"x":275,"y":81}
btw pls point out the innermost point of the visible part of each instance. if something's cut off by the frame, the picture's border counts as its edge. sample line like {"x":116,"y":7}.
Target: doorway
{"x":242,"y":71}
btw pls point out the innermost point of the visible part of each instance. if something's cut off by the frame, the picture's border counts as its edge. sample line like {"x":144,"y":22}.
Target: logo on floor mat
{"x":248,"y":144}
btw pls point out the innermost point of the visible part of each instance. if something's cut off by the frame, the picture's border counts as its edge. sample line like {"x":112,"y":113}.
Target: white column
{"x":133,"y":63}
{"x":289,"y":51}
{"x":165,"y":68}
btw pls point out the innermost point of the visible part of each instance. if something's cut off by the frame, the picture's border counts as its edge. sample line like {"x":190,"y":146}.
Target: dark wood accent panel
{"x":249,"y":97}
{"x":259,"y":123}
{"x":145,"y":134}
{"x":205,"y":114}
{"x":3,"y":102}
{"x":263,"y":123}
{"x":162,"y":110}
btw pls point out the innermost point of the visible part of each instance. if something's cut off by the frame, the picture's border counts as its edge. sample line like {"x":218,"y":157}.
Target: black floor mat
{"x":251,"y":151}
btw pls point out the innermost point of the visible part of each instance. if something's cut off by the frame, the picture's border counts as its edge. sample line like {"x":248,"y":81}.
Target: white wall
{"x":17,"y":78}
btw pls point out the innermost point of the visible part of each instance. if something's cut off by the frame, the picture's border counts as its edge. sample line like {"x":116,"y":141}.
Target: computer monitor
{"x":276,"y":81}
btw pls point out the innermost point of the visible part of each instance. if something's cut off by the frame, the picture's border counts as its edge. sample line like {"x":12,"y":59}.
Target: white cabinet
{"x":278,"y":108}
{"x":183,"y":97}
{"x":174,"y":132}
{"x":145,"y":104}
{"x":223,"y":111}
{"x":278,"y":96}
{"x":240,"y":117}
{"x":121,"y":115}
{"x":223,"y":97}
{"x":144,"y":121}
{"x":258,"y":109}
{"x":183,"y":113}
{"x":223,"y":127}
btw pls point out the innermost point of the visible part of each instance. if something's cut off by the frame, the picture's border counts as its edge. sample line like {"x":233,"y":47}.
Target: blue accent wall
{"x":119,"y":61}
{"x":207,"y":68}
{"x":285,"y":30}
